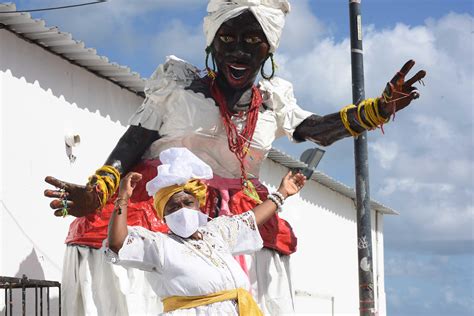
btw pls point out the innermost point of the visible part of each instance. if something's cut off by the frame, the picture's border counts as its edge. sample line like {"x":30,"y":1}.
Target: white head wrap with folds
{"x":269,"y":13}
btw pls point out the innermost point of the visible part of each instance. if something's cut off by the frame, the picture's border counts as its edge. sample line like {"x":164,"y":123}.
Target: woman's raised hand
{"x":71,"y":199}
{"x":399,"y":93}
{"x":128,"y":184}
{"x":291,"y":184}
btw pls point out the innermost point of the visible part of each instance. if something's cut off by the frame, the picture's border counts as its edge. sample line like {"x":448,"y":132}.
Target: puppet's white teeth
{"x":238,"y":68}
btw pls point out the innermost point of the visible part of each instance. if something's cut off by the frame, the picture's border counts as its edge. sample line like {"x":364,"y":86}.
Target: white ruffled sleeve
{"x":239,"y":232}
{"x":283,"y":102}
{"x":174,"y":74}
{"x":142,"y":249}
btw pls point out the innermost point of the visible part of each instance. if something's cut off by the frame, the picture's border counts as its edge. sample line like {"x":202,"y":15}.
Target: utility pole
{"x":364,"y":236}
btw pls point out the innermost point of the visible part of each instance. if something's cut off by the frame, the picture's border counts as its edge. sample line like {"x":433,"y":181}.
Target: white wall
{"x":379,"y":266}
{"x":1,"y":161}
{"x":41,"y":97}
{"x":325,"y":264}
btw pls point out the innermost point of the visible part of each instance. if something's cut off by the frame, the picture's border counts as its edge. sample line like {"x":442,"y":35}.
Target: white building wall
{"x":1,"y":162}
{"x":325,"y":266}
{"x":379,"y":266}
{"x":43,"y":96}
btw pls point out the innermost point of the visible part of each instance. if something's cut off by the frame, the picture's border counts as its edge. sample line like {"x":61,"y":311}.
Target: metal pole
{"x":59,"y":301}
{"x":364,"y":236}
{"x":41,"y":300}
{"x":36,"y":301}
{"x":11,"y":300}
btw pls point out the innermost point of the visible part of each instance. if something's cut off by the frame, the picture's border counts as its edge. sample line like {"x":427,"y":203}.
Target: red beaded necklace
{"x":238,"y":142}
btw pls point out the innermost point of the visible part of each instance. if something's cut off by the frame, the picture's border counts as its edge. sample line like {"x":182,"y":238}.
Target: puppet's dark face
{"x":239,"y":48}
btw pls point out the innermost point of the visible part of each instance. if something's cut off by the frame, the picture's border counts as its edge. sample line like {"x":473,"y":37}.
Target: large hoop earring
{"x":262,"y":71}
{"x":210,"y":72}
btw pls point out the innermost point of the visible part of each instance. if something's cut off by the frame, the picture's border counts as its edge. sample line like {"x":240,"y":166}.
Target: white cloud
{"x":321,"y":75}
{"x":428,"y":284}
{"x":124,"y":8}
{"x":413,"y":291}
{"x":127,"y":7}
{"x":385,"y":152}
{"x":411,"y":185}
{"x":125,"y":30}
{"x":434,"y":127}
{"x":302,"y":29}
{"x":181,"y":40}
{"x":407,"y":265}
{"x":451,"y":33}
{"x":424,"y":162}
{"x":452,"y":298}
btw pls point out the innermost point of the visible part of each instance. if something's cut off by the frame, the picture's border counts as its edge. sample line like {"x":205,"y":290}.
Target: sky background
{"x":423,"y":165}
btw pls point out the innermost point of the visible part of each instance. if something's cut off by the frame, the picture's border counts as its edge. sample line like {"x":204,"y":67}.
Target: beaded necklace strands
{"x":239,"y":142}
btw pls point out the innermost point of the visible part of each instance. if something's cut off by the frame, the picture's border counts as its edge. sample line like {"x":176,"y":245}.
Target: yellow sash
{"x":245,"y":301}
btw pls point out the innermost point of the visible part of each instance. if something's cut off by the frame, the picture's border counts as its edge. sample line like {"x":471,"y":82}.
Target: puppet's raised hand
{"x":399,"y":93}
{"x":71,"y":199}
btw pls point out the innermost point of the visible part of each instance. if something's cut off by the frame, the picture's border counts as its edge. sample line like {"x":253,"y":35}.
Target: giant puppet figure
{"x":229,"y":121}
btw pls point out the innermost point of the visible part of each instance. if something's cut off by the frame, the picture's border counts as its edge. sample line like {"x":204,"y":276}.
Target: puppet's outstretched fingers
{"x":399,"y":77}
{"x":64,"y":210}
{"x":56,"y":182}
{"x":414,"y":93}
{"x":417,"y":77}
{"x":56,"y":193}
{"x":55,"y":204}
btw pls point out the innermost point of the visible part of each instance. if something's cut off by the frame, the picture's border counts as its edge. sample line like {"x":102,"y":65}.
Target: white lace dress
{"x":186,"y":267}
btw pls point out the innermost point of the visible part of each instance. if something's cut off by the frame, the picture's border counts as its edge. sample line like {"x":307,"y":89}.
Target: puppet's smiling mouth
{"x":237,"y":71}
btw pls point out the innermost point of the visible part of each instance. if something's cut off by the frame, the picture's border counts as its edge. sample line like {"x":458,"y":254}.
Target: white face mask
{"x":185,"y":221}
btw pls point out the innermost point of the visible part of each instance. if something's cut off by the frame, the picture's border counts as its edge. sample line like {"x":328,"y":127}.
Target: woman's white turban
{"x":269,"y":13}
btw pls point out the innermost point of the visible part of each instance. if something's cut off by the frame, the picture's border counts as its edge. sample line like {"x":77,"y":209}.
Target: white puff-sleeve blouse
{"x":185,"y":118}
{"x":187,"y":267}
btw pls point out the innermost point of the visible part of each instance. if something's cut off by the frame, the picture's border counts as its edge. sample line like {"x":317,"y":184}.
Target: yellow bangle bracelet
{"x":113,"y":171}
{"x":376,"y":106}
{"x":345,"y":120}
{"x":106,"y":185}
{"x":361,"y":122}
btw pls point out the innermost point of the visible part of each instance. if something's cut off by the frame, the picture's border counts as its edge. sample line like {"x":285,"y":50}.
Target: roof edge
{"x":64,"y":46}
{"x":325,"y":180}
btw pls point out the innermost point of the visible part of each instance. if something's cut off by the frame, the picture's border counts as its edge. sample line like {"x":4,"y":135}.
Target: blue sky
{"x":422,"y":166}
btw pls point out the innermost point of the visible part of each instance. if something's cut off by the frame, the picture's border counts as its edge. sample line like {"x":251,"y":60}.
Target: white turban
{"x":178,"y":166}
{"x":269,"y":13}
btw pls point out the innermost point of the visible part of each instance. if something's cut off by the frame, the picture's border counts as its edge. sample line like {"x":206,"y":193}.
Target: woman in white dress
{"x":192,"y":268}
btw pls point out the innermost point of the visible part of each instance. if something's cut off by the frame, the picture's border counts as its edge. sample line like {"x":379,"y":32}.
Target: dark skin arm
{"x":325,"y":130}
{"x":82,"y":200}
{"x":130,"y":148}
